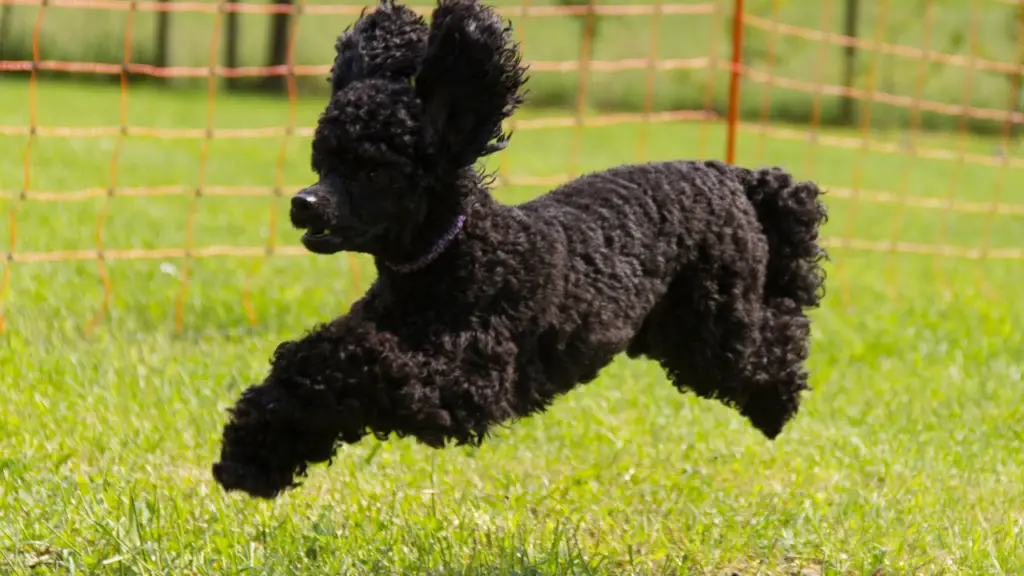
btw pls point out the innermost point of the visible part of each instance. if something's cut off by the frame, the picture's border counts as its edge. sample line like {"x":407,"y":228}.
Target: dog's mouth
{"x":322,"y":241}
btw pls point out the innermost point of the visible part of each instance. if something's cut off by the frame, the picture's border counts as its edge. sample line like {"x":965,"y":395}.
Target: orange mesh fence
{"x":725,"y":63}
{"x":920,"y":61}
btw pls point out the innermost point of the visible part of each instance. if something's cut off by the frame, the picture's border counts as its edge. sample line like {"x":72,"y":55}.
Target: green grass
{"x":905,"y":458}
{"x":75,"y":34}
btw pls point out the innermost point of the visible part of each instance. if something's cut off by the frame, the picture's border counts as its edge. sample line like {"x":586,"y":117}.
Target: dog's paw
{"x":233,"y":476}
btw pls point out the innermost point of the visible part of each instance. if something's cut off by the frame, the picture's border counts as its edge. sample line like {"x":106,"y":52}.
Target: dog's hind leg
{"x":715,"y":335}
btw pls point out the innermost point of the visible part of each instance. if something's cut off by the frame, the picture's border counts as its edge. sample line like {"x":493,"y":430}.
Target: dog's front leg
{"x":294,"y":418}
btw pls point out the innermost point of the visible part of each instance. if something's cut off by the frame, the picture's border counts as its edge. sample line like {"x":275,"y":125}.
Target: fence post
{"x":280,"y":28}
{"x":734,"y":80}
{"x":231,"y":47}
{"x":5,"y":21}
{"x":849,"y":60}
{"x":162,"y":56}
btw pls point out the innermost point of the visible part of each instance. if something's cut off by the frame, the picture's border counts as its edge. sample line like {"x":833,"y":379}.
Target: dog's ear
{"x":387,"y":43}
{"x":469,"y":81}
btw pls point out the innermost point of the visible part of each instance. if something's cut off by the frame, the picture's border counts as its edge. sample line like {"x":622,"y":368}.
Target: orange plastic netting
{"x":723,"y":60}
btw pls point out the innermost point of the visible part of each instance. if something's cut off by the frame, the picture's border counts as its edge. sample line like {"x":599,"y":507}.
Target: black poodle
{"x":482,"y":313}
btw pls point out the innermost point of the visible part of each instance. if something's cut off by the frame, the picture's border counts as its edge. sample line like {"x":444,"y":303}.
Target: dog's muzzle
{"x":310,"y":211}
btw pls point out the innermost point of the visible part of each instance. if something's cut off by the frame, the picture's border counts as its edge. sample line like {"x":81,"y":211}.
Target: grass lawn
{"x":906,"y":457}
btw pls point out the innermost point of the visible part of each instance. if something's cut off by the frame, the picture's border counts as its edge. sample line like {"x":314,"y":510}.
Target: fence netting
{"x":906,"y":112}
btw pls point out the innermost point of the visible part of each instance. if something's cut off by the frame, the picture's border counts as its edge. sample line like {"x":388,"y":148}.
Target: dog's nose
{"x":303,"y":204}
{"x":304,"y":207}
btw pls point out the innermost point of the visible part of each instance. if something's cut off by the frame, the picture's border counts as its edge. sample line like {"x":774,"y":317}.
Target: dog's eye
{"x":372,"y":176}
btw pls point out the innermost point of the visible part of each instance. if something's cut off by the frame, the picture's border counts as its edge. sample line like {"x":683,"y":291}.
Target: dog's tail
{"x":791,"y":214}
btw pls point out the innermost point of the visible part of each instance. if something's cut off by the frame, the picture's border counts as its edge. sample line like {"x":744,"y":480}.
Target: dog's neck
{"x":454,"y":203}
{"x":435,"y":251}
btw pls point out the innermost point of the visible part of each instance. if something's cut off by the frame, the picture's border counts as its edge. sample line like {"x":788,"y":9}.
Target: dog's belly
{"x":554,"y":361}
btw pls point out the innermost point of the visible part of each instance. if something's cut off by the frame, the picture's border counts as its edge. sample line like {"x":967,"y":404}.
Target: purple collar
{"x":439,"y":247}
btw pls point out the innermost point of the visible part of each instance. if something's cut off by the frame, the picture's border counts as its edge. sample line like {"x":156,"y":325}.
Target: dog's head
{"x":412,"y":109}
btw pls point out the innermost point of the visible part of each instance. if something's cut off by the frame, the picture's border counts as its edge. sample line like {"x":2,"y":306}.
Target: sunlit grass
{"x":905,"y":456}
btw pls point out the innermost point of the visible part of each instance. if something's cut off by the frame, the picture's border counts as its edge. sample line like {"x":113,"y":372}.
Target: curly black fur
{"x":387,"y":43}
{"x":704,"y":267}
